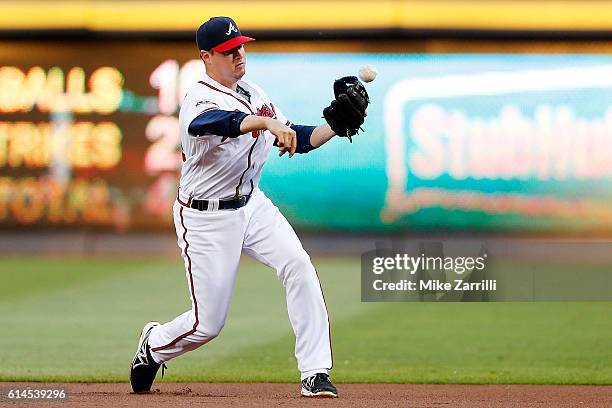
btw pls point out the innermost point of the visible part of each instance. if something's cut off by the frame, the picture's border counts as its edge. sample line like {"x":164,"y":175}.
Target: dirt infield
{"x":351,"y":395}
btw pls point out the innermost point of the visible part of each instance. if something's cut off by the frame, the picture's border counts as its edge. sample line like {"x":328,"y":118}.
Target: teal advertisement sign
{"x":502,"y":142}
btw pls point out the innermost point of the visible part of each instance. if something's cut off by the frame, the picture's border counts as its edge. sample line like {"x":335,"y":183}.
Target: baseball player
{"x":228,"y":126}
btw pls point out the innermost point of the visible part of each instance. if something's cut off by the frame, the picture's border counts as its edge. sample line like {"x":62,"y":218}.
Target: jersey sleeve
{"x":217,"y":122}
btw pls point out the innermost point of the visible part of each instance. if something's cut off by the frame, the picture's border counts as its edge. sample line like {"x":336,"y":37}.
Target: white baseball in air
{"x":367,"y":73}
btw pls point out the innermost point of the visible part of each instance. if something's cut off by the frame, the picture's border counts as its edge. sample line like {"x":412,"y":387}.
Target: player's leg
{"x":210,"y":243}
{"x":271,"y":240}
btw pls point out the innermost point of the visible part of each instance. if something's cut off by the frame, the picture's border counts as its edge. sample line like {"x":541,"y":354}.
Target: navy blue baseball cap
{"x":220,"y":34}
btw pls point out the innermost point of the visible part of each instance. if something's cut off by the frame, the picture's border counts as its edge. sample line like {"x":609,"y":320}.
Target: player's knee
{"x":206,"y":333}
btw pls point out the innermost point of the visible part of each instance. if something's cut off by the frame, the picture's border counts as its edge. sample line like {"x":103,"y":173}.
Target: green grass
{"x":79,"y":319}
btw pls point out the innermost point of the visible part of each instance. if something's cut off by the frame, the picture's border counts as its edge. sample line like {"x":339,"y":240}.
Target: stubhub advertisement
{"x":510,"y":142}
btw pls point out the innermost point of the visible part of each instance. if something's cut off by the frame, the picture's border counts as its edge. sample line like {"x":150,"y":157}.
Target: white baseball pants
{"x":211,"y":243}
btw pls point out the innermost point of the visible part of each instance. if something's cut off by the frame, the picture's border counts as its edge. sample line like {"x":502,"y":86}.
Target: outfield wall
{"x":493,"y":142}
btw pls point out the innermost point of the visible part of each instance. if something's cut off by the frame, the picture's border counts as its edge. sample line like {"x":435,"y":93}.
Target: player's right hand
{"x":286,"y":138}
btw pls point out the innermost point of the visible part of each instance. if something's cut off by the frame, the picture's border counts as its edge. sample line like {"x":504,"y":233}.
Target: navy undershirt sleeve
{"x":303,"y":134}
{"x":217,"y":122}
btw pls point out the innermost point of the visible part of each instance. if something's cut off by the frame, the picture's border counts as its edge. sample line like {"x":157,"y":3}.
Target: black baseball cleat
{"x":318,"y":386}
{"x":144,"y":368}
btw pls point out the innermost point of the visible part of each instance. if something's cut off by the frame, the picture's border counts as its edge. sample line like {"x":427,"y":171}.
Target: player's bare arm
{"x":287,"y":138}
{"x":321,"y":135}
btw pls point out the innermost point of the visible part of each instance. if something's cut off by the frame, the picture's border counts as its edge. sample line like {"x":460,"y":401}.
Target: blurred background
{"x":486,"y":116}
{"x":490,"y":120}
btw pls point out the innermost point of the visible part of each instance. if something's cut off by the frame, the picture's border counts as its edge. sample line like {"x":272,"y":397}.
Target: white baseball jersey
{"x":218,"y":167}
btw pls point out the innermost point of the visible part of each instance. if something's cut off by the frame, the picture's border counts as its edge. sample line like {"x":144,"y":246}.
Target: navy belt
{"x":231,"y":204}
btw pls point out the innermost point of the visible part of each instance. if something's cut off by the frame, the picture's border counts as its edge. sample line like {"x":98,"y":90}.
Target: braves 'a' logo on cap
{"x":231,"y":28}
